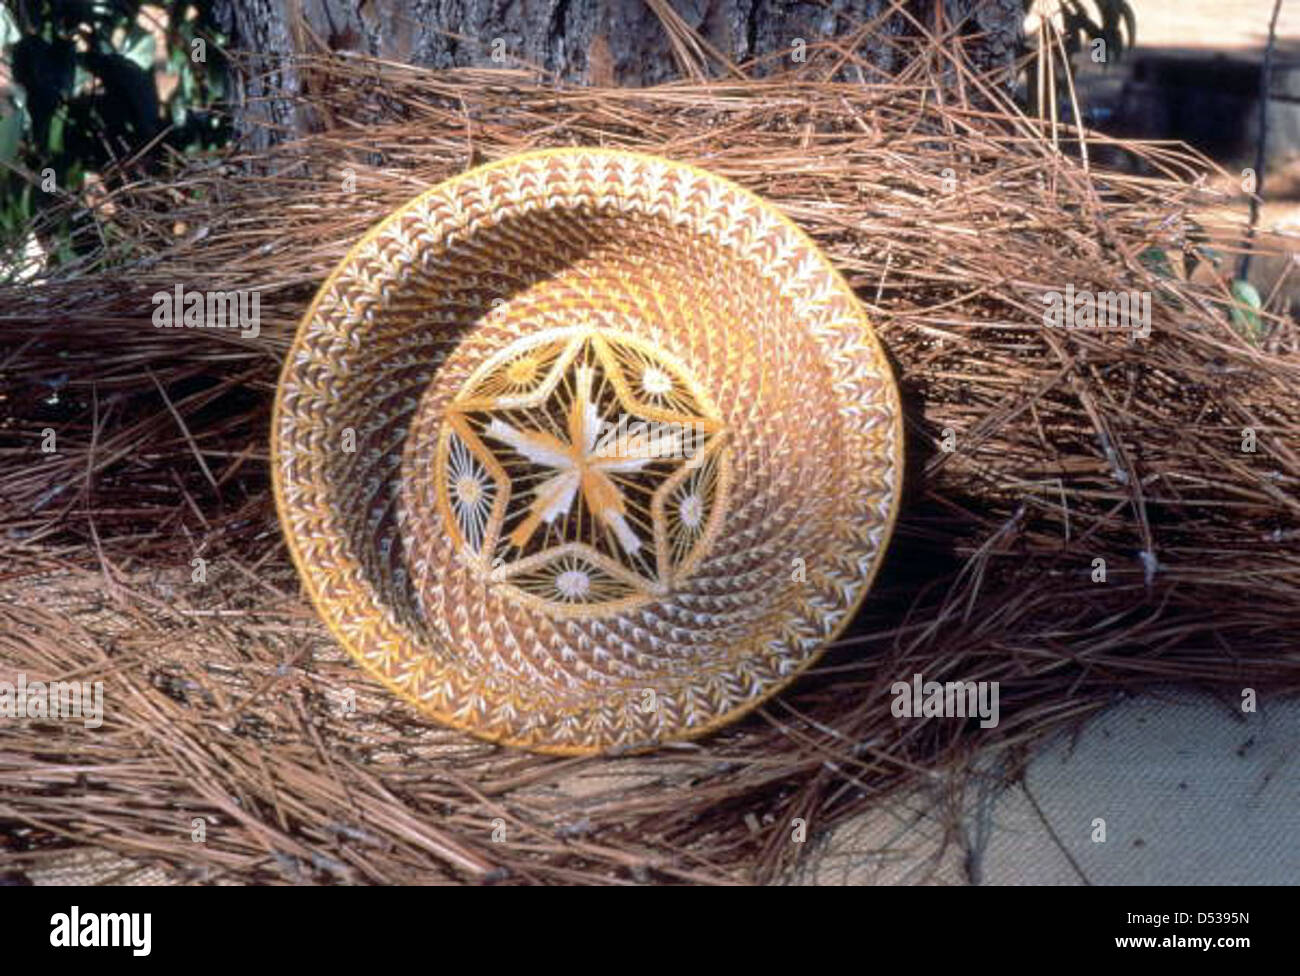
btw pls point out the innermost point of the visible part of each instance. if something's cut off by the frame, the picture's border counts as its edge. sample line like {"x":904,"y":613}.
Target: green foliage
{"x":84,"y":96}
{"x":1245,"y":310}
{"x":1082,"y":24}
{"x":1156,"y":260}
{"x":1246,"y":305}
{"x":1114,"y":24}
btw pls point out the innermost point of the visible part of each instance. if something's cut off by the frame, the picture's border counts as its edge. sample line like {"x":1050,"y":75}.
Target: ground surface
{"x":1192,"y":791}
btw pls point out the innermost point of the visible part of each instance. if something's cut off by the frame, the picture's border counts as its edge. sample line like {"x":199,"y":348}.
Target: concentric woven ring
{"x":586,"y":449}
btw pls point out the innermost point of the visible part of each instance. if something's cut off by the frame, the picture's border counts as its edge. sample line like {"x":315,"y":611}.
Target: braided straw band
{"x":586,"y":449}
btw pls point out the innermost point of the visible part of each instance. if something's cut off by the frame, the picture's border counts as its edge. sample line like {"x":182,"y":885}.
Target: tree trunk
{"x":606,"y":42}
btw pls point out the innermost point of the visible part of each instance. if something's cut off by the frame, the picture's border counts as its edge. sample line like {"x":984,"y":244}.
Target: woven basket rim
{"x":870,"y":344}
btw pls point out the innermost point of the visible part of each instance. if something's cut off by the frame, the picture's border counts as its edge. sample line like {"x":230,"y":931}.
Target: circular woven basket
{"x":586,"y":449}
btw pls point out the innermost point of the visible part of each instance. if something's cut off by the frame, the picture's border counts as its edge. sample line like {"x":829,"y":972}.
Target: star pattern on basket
{"x":580,"y":465}
{"x":583,"y":470}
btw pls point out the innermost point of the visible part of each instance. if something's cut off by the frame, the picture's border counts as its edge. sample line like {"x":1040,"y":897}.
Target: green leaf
{"x":1245,"y":313}
{"x":1155,"y":259}
{"x":1244,"y":291}
{"x":9,"y":32}
{"x":1130,"y":21}
{"x":11,"y":135}
{"x":55,"y":142}
{"x":139,"y":47}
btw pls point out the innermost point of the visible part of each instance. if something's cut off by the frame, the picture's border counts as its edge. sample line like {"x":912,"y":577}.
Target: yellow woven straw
{"x":586,"y":449}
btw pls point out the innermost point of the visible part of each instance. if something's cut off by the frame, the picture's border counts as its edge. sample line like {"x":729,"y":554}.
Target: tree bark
{"x":620,"y":42}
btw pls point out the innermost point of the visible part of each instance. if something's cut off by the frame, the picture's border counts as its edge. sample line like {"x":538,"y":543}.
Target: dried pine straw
{"x":950,"y":213}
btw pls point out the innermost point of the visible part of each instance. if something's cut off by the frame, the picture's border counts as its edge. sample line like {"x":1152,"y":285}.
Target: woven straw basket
{"x":586,"y":450}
